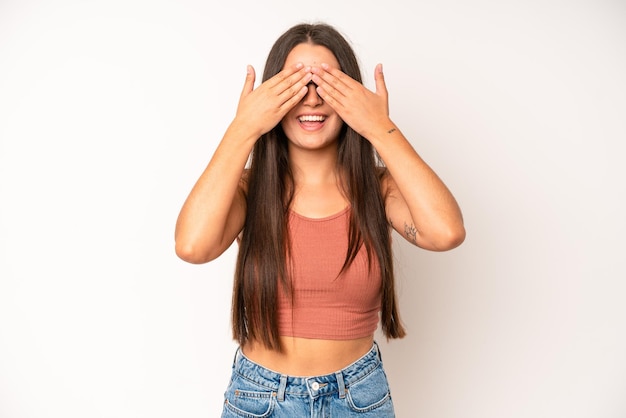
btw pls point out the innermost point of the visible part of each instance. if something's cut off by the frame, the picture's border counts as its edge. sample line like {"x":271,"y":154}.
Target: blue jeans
{"x":359,"y":390}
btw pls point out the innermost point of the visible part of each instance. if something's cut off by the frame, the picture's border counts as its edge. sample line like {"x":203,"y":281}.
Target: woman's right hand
{"x":263,"y":108}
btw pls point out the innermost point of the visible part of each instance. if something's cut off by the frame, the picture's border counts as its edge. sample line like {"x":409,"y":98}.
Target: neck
{"x":318,"y":192}
{"x":311,"y":167}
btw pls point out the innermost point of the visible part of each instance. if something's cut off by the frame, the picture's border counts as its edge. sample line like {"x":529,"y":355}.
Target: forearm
{"x":435,"y":217}
{"x":215,"y":210}
{"x":213,"y":213}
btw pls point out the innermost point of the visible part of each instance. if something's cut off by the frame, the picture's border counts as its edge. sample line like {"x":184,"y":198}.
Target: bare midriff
{"x":309,"y":357}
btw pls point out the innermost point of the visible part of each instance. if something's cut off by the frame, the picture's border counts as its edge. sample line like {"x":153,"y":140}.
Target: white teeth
{"x":311,"y":118}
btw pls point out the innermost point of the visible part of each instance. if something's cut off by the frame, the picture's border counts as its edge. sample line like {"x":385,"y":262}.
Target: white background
{"x":109,"y":111}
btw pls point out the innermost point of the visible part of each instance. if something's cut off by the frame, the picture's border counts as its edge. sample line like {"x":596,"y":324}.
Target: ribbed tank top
{"x":327,"y":305}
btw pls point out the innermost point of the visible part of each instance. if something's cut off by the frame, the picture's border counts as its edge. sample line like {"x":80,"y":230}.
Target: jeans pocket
{"x":248,"y":402}
{"x":369,"y":393}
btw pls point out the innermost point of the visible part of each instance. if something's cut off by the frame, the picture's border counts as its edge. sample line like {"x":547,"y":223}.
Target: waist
{"x":308,"y":357}
{"x":318,"y":384}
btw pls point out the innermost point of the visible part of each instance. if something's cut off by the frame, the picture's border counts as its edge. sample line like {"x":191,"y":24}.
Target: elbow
{"x":448,"y":239}
{"x":456,"y":237}
{"x":452,"y":238}
{"x":191,"y":254}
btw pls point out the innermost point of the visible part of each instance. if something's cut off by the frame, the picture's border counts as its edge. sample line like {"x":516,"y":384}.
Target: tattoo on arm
{"x":391,"y":130}
{"x":411,"y":232}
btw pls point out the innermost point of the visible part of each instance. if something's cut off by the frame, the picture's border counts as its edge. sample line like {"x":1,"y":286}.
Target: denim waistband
{"x":313,"y":386}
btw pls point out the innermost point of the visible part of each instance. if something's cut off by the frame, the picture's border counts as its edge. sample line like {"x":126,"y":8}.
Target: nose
{"x":312,"y":98}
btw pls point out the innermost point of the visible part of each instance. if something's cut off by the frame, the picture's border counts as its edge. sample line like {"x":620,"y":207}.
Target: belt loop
{"x":341,"y":384}
{"x":378,"y":353}
{"x":281,"y":388}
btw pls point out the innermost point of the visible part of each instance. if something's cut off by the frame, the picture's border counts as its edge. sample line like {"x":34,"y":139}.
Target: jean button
{"x":315,"y":386}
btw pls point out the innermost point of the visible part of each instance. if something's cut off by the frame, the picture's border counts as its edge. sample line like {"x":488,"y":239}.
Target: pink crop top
{"x":325,"y":305}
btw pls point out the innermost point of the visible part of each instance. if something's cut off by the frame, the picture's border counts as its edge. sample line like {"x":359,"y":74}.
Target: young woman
{"x":330,"y":175}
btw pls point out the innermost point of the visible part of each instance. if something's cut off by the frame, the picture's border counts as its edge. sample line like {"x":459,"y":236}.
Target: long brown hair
{"x":261,"y":264}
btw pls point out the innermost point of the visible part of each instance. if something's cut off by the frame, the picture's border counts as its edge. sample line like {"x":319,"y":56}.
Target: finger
{"x":328,"y":92}
{"x":290,"y":102}
{"x":333,"y":82}
{"x":285,"y":75}
{"x":293,"y":85}
{"x":248,"y":85}
{"x":327,"y":98}
{"x":379,"y":78}
{"x":303,"y":74}
{"x":337,"y":78}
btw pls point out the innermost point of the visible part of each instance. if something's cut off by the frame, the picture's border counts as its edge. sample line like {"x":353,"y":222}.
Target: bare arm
{"x":418,"y":204}
{"x":214,"y":212}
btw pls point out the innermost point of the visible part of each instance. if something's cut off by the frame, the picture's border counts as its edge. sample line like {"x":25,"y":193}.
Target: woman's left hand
{"x":365,"y":111}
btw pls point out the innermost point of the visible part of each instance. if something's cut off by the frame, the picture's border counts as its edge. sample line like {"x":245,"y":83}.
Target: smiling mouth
{"x":312,"y":118}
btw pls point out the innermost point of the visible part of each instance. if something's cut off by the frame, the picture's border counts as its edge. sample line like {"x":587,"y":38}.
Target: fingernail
{"x":299,"y":65}
{"x":325,"y":66}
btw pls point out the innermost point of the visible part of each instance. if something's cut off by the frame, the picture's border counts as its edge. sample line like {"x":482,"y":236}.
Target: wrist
{"x":382,"y":131}
{"x":242,"y":133}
